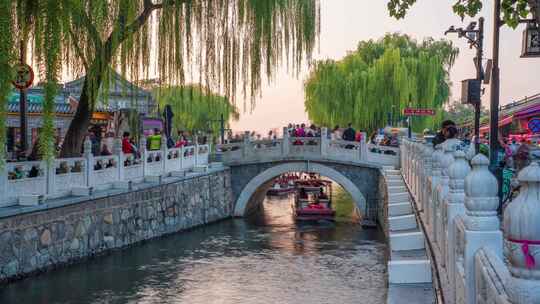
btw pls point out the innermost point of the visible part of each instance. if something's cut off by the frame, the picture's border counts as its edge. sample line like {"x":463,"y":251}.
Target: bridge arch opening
{"x":256,"y":188}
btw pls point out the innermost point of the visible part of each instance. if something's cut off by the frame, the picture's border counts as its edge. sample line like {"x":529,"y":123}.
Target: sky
{"x":344,"y":23}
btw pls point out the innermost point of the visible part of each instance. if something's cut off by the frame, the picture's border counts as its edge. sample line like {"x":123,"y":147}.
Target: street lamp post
{"x":494,"y":90}
{"x":222,"y":128}
{"x":475,"y":38}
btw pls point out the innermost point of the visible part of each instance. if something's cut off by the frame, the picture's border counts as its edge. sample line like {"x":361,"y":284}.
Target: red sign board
{"x":418,"y":112}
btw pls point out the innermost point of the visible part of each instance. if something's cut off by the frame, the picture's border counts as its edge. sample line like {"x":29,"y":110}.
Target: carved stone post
{"x":117,"y":150}
{"x":454,"y":205}
{"x":522,"y":234}
{"x":144,"y":154}
{"x":3,"y":180}
{"x":434,"y":182}
{"x":441,"y":192}
{"x":419,"y":172}
{"x":285,"y":142}
{"x":87,"y":153}
{"x":246,"y":146}
{"x":325,"y":143}
{"x":164,"y":150}
{"x":482,"y":226}
{"x":428,"y":171}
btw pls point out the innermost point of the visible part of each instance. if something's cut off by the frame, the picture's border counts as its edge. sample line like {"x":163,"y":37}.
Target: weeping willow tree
{"x":6,"y":59}
{"x":226,"y":45}
{"x":379,"y":77}
{"x":195,"y":108}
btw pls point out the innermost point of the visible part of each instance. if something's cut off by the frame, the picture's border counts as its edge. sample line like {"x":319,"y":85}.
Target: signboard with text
{"x":418,"y":112}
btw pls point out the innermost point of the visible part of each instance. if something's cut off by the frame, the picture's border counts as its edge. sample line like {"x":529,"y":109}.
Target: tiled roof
{"x":60,"y":108}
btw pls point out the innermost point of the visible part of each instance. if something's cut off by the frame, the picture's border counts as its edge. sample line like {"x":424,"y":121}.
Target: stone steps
{"x":403,"y":241}
{"x":408,"y":262}
{"x":399,"y":209}
{"x":402,"y":222}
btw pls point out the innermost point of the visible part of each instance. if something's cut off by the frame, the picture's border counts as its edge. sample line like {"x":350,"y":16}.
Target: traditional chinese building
{"x":122,"y":95}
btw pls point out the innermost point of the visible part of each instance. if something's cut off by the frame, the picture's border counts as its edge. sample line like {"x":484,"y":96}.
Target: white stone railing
{"x":310,"y":148}
{"x":29,"y":183}
{"x":458,"y":203}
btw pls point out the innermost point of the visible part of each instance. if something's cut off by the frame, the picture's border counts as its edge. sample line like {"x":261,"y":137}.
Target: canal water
{"x":263,"y":259}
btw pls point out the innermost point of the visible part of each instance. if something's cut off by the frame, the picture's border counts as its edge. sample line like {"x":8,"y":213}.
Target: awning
{"x":528,"y":112}
{"x":502,"y":122}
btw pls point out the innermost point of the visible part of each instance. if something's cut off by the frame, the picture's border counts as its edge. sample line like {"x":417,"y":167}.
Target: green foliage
{"x":462,"y":114}
{"x":227,"y":44}
{"x":6,"y":59}
{"x":378,"y":77}
{"x":194,"y":108}
{"x":512,"y":10}
{"x":51,"y":46}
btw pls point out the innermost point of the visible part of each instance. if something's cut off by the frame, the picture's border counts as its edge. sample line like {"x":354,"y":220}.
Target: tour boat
{"x":311,"y":204}
{"x":280,"y":189}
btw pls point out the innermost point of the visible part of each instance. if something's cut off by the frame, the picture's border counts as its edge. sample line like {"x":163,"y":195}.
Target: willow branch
{"x":78,"y":50}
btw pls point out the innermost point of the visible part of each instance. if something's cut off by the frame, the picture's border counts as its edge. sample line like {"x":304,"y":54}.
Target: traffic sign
{"x":534,"y":125}
{"x":418,"y":112}
{"x":24,"y":76}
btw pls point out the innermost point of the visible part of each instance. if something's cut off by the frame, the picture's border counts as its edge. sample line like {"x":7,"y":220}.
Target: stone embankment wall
{"x":42,"y":240}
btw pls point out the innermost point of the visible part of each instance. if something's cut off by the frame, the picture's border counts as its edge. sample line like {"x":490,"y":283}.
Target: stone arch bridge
{"x":354,"y":165}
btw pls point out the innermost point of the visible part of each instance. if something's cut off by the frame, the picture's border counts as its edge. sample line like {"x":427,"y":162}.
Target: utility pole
{"x":479,"y":77}
{"x":475,"y":38}
{"x":494,"y":91}
{"x":222,"y":128}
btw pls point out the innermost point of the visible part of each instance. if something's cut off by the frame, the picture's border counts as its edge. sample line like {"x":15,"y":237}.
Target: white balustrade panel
{"x":188,"y":160}
{"x":105,"y":171}
{"x":344,"y":150}
{"x":202,"y":154}
{"x":305,"y":147}
{"x":26,"y":178}
{"x":173,"y":162}
{"x":491,"y":275}
{"x":264,"y":149}
{"x":69,"y":173}
{"x":154,"y":162}
{"x":231,"y":152}
{"x":133,"y":168}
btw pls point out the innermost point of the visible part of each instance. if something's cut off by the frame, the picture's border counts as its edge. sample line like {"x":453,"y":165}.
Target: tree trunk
{"x":78,"y":128}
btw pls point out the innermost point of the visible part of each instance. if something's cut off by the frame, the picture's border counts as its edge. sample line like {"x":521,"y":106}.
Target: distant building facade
{"x":122,"y":95}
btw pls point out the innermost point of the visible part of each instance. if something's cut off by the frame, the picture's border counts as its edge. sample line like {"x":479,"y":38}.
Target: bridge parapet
{"x":308,"y":148}
{"x":33,"y":182}
{"x":458,"y":208}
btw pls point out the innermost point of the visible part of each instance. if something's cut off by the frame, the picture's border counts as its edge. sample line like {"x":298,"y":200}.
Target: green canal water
{"x":264,"y":259}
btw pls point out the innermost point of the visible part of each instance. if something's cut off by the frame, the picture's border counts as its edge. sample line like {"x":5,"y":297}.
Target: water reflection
{"x":264,"y":259}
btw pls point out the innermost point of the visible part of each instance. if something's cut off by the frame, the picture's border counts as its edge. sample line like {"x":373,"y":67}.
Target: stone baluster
{"x":446,"y":161}
{"x":433,"y":183}
{"x":87,"y":154}
{"x":482,"y":226}
{"x":364,"y":147}
{"x":522,"y":236}
{"x":285,"y":142}
{"x":402,"y":155}
{"x":117,"y":150}
{"x":408,"y":161}
{"x":419,"y":172}
{"x":144,"y":154}
{"x":50,"y":174}
{"x":3,"y":180}
{"x":164,"y":151}
{"x":246,"y":148}
{"x":454,"y":205}
{"x":325,"y":142}
{"x":428,"y":171}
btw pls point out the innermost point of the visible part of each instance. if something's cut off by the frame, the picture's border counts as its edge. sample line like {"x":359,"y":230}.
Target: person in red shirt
{"x":127,"y":147}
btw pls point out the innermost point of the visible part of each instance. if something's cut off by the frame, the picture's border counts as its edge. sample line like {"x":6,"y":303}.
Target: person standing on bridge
{"x":442,"y":135}
{"x":349,"y":134}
